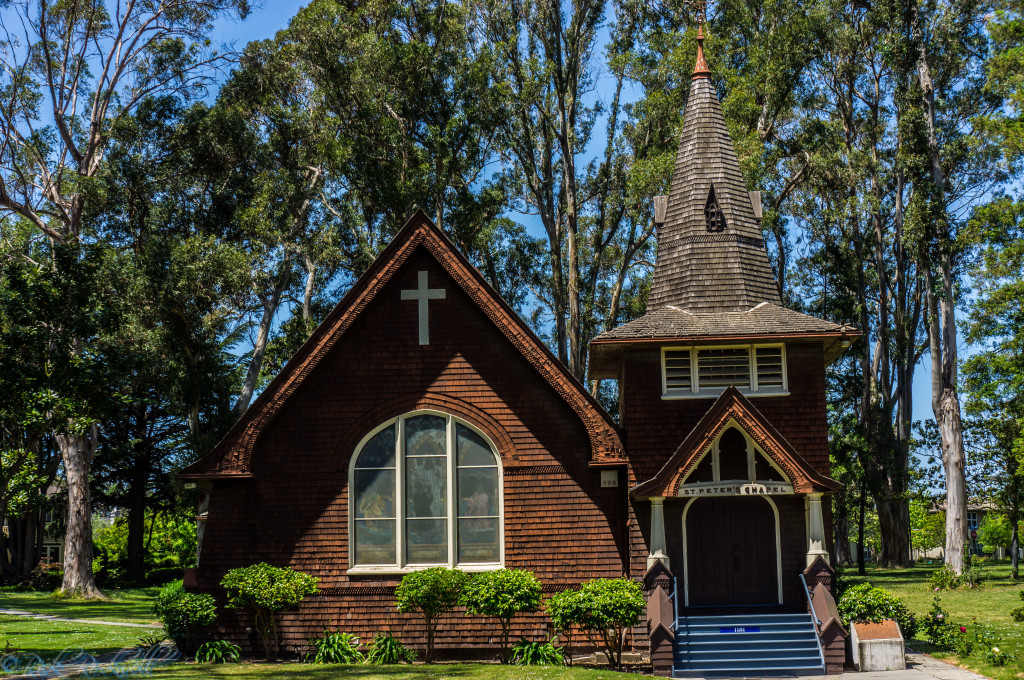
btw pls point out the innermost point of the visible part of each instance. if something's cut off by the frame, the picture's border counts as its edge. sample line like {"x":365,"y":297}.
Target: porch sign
{"x":726,"y":489}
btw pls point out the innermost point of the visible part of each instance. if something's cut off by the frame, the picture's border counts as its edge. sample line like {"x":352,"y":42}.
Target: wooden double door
{"x":731,"y":552}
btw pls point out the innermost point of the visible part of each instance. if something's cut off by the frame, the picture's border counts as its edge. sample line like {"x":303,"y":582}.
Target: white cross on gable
{"x":422,"y":294}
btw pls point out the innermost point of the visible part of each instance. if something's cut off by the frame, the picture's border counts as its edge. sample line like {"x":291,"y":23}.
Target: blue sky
{"x":265,"y":21}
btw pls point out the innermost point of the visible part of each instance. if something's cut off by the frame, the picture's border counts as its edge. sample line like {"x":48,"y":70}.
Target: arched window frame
{"x":400,"y":566}
{"x":753,"y":450}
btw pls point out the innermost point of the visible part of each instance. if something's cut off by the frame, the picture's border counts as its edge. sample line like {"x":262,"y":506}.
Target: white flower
{"x":939,"y":616}
{"x":995,"y":650}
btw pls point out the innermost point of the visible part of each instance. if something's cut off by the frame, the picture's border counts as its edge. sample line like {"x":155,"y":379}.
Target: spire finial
{"x":700,"y":69}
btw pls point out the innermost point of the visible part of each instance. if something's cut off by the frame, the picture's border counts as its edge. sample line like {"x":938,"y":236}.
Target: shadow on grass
{"x":134,"y":606}
{"x":320,"y":672}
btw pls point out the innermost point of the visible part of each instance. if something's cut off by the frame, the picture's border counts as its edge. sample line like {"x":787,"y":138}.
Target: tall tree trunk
{"x":942,"y":324}
{"x":77,"y":451}
{"x":861,"y":567}
{"x":270,"y":307}
{"x":841,"y":530}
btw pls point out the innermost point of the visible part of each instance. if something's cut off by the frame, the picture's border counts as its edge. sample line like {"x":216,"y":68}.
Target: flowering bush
{"x":944,"y":633}
{"x":998,"y":658}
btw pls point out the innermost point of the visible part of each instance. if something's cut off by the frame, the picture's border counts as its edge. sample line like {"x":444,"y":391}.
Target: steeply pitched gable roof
{"x":733,"y":406}
{"x":700,"y":270}
{"x":232,"y":456}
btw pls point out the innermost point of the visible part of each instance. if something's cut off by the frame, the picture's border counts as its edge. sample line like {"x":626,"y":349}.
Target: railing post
{"x":659,"y":587}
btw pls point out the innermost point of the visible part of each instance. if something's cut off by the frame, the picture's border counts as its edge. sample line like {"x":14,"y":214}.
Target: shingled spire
{"x":711,"y":252}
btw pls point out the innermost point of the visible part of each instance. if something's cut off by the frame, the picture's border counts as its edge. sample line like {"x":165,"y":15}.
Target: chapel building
{"x":425,"y":424}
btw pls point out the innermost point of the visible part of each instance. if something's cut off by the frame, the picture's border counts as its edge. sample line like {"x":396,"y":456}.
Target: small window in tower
{"x":713,"y":216}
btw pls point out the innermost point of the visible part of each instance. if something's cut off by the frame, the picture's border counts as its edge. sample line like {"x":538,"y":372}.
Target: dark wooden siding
{"x":559,"y":521}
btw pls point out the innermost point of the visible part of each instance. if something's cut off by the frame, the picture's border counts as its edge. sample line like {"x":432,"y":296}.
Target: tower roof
{"x":712,"y":278}
{"x":711,"y":252}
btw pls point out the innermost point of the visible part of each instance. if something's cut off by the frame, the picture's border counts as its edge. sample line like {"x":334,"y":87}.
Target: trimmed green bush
{"x":604,"y":608}
{"x":502,"y":593}
{"x":430,"y":593}
{"x":266,"y":590}
{"x":865,"y":603}
{"x":181,"y":611}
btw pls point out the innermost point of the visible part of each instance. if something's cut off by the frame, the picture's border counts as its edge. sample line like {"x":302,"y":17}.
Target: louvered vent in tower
{"x":713,"y":217}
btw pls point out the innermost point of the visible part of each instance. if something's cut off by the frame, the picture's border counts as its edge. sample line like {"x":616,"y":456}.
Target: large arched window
{"x":425,"y":491}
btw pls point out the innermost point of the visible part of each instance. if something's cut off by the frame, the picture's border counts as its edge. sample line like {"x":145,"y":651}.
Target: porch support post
{"x":815,"y":530}
{"x":657,"y":533}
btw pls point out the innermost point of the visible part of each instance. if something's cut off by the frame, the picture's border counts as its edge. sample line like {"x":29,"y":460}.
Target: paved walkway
{"x":919,"y":667}
{"x":51,"y":617}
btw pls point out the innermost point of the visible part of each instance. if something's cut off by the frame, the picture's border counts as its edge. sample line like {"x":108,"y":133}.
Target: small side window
{"x":713,"y":216}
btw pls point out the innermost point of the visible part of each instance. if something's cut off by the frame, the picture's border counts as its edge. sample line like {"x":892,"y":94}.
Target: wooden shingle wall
{"x":655,"y":427}
{"x":559,"y":521}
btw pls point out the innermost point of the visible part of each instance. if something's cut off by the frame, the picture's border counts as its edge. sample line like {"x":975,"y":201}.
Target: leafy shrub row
{"x":604,"y":608}
{"x":260,"y":588}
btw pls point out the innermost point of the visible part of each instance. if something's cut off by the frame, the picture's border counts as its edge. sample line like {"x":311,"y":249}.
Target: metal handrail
{"x":810,"y":602}
{"x":675,"y":602}
{"x":817,"y":621}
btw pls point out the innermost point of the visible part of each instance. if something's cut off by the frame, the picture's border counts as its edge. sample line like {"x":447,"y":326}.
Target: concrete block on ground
{"x":877,"y":646}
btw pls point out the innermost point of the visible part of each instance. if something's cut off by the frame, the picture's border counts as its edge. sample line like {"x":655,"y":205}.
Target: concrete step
{"x":747,"y":645}
{"x":786,"y":652}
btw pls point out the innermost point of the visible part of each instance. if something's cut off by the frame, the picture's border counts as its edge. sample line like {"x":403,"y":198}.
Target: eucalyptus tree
{"x":67,"y":71}
{"x":951,"y":168}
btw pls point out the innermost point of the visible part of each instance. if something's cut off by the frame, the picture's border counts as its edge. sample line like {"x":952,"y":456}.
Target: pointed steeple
{"x":711,"y":252}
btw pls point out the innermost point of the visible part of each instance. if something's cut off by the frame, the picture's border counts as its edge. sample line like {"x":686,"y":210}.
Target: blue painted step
{"x":747,"y":645}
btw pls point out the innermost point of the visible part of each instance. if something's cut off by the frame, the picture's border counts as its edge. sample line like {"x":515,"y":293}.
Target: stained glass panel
{"x":478,"y":540}
{"x":426,"y":482}
{"x":472,"y":448}
{"x":375,"y":541}
{"x":426,"y":541}
{"x":424,"y":436}
{"x":478,"y":492}
{"x":379,"y":451}
{"x":375,"y":493}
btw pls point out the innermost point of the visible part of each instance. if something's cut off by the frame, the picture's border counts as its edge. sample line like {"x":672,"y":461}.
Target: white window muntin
{"x":673,"y":359}
{"x":401,"y":565}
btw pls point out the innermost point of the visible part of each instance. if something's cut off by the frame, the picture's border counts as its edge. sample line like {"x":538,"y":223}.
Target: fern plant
{"x":543,"y":653}
{"x":386,"y":649}
{"x":218,"y":651}
{"x":334,"y":647}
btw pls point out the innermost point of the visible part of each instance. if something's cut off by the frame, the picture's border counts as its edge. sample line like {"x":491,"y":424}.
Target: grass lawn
{"x":48,"y":638}
{"x":404,"y":672}
{"x":130,"y":605}
{"x":987,"y":607}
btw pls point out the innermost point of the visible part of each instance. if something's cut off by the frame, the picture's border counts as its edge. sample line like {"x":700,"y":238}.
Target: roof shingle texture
{"x":698,"y":270}
{"x":763,"y":319}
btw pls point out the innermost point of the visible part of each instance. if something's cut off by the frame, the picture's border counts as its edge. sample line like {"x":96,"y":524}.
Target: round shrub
{"x":607,"y":608}
{"x":430,"y":593}
{"x":182,"y":611}
{"x":502,"y":593}
{"x":267,"y":590}
{"x":865,"y":603}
